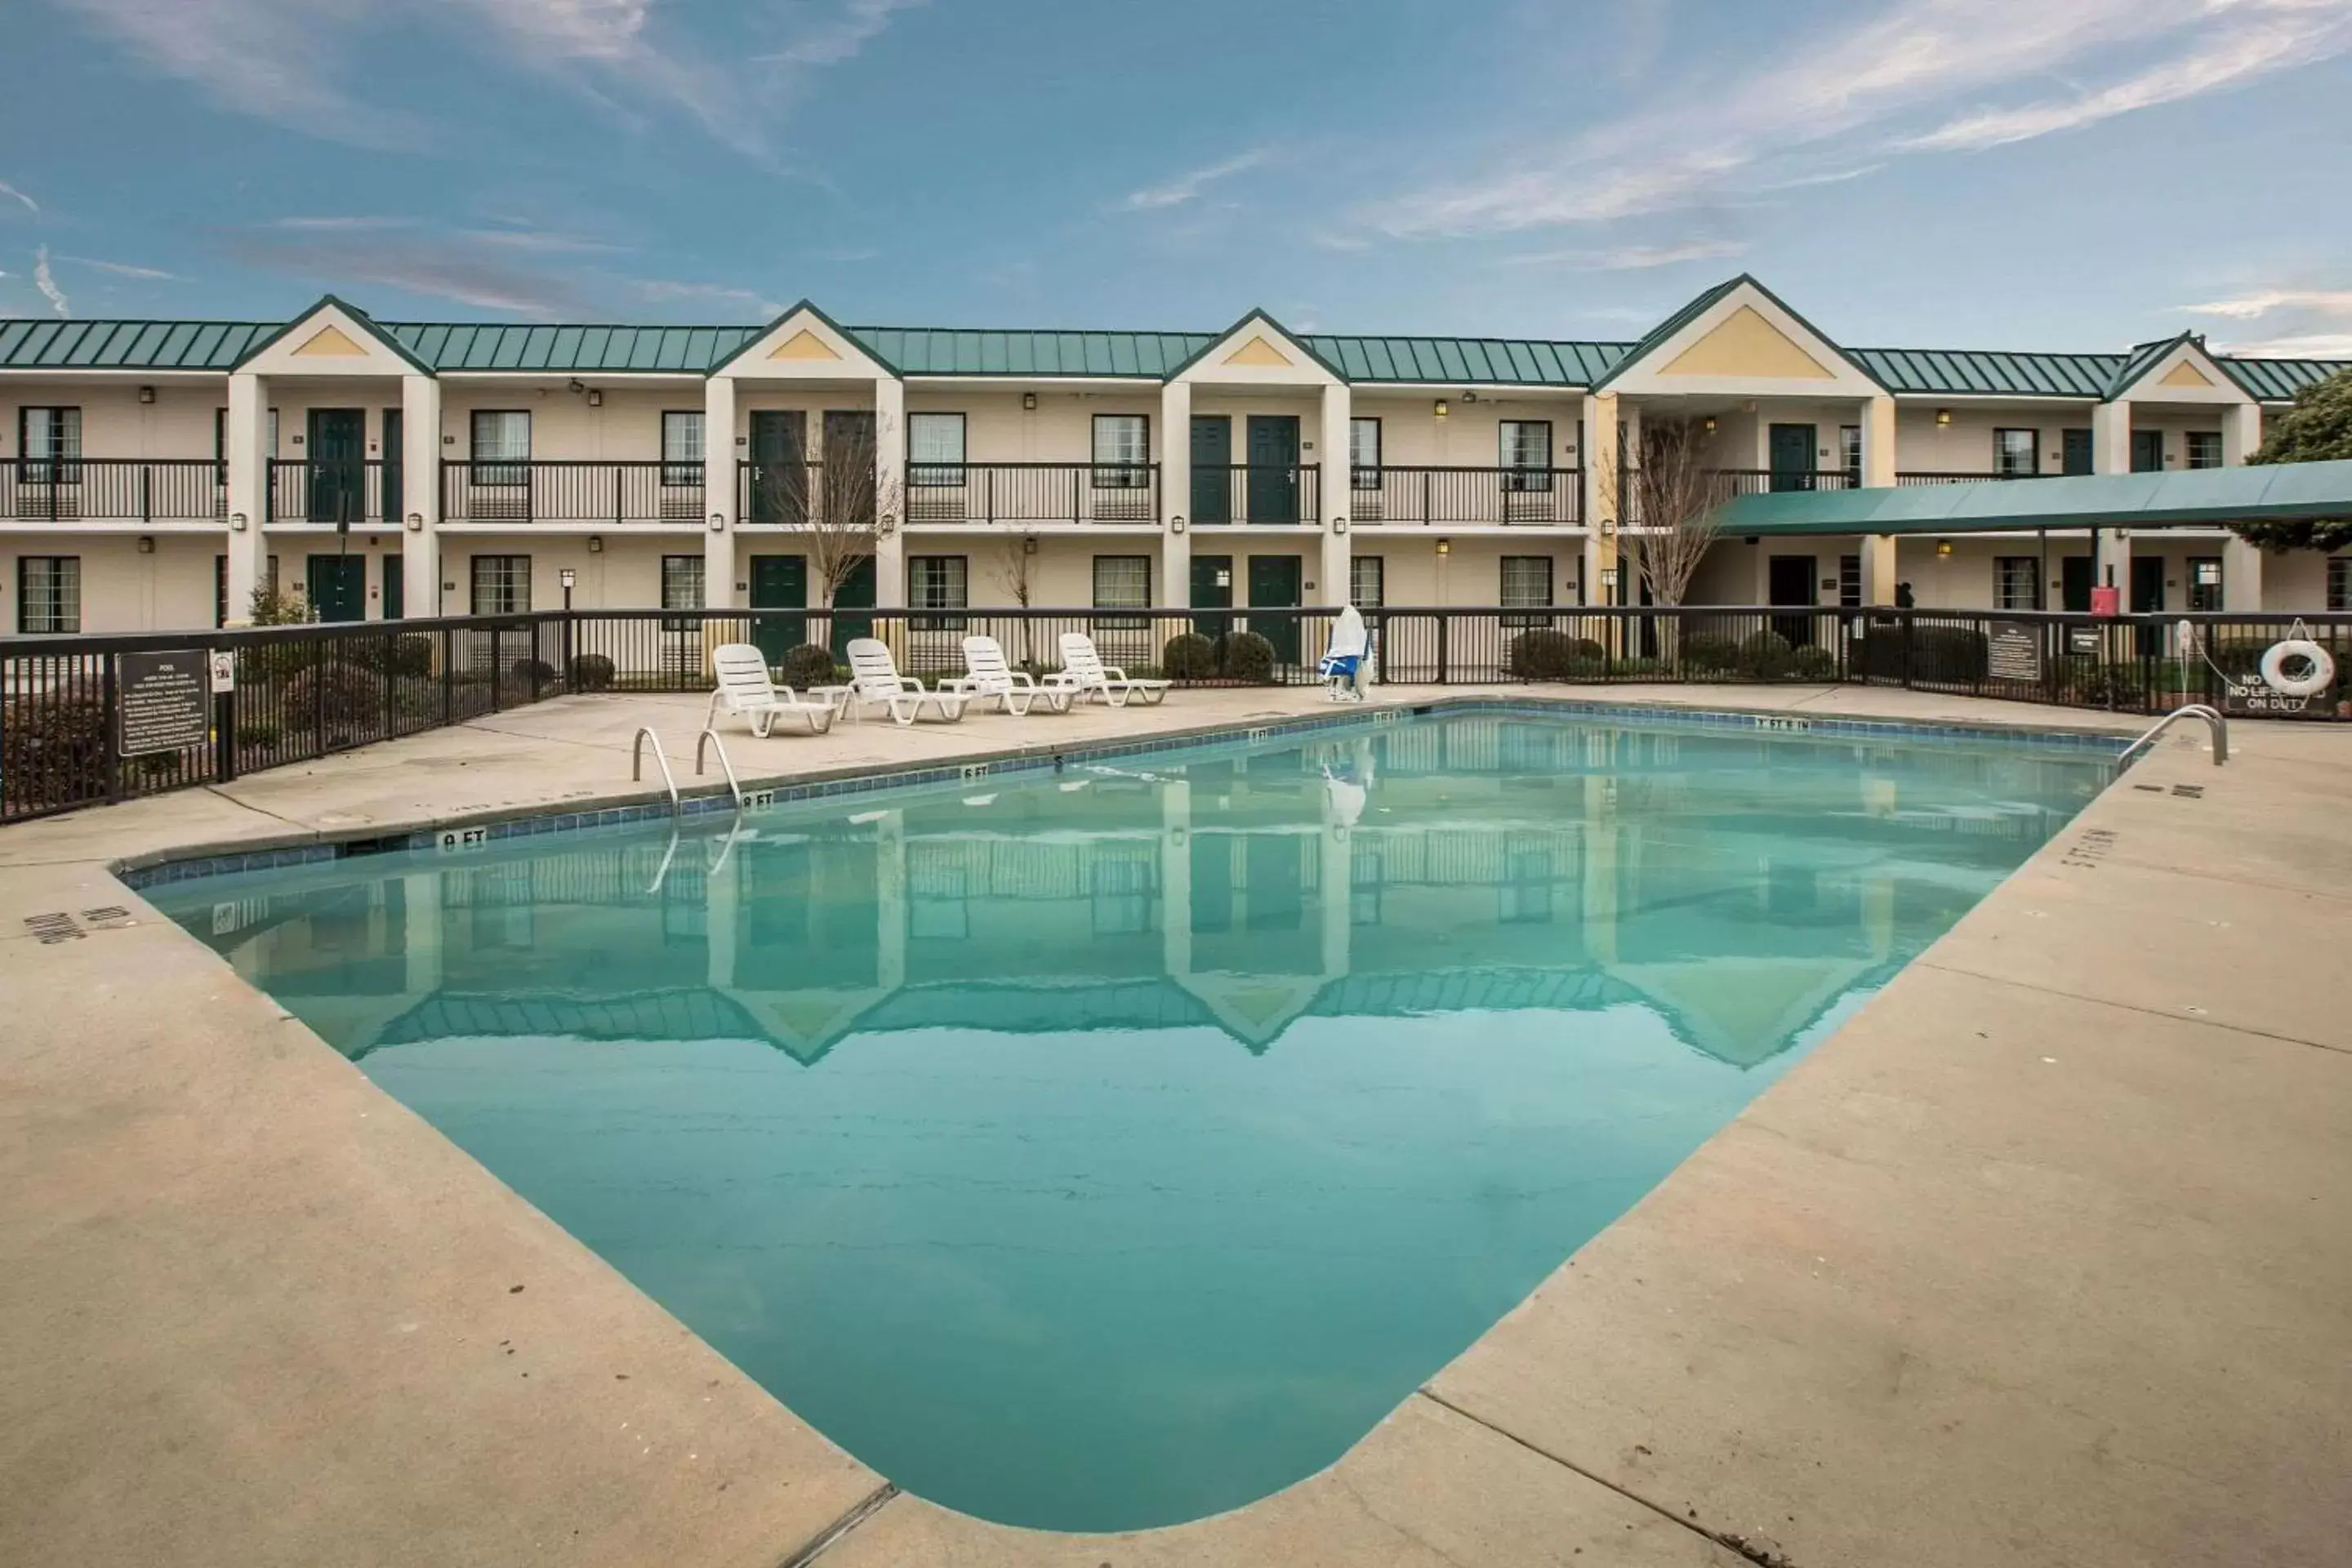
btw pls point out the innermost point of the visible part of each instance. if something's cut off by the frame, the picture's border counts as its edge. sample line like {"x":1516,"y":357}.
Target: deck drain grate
{"x":2090,"y":849}
{"x":107,"y":917}
{"x":2189,"y":792}
{"x":53,"y":927}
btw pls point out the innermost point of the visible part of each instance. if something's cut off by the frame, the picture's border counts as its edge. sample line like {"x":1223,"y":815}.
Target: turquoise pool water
{"x":1106,"y":1148}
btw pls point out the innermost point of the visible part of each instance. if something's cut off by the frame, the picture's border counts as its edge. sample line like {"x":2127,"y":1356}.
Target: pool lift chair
{"x":1346,"y":661}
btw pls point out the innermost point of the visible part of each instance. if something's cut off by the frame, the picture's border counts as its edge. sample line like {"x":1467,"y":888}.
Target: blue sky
{"x":2048,"y":174}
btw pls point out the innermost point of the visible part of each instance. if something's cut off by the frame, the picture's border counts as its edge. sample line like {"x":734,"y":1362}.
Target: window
{"x":49,"y":593}
{"x":1849,"y":582}
{"x":2017,"y":454}
{"x":1122,"y":583}
{"x":1122,"y":451}
{"x":1526,"y":446}
{"x":935,"y":450}
{"x":2016,"y":582}
{"x":220,"y":442}
{"x":1527,"y":586}
{"x":682,"y":582}
{"x":1122,"y":894}
{"x":49,"y":439}
{"x":502,"y":448}
{"x":502,"y":584}
{"x":936,"y":582}
{"x":1364,"y":454}
{"x":2205,"y":583}
{"x":2204,"y":448}
{"x":1367,"y":582}
{"x":2340,"y":583}
{"x":1849,"y":448}
{"x":2075,"y":449}
{"x":682,"y":447}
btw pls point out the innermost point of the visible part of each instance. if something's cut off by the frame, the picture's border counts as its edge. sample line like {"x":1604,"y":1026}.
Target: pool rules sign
{"x":163,"y":702}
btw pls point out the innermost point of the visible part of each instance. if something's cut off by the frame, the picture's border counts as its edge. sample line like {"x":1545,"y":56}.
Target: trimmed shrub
{"x":805,"y":666}
{"x":335,"y":695}
{"x":591,"y":672}
{"x":1188,"y":656}
{"x":1245,"y":657}
{"x":52,"y":752}
{"x":410,"y":655}
{"x":256,"y":737}
{"x":1766,"y":656}
{"x":1543,"y":655}
{"x":1813,"y":664}
{"x":1941,"y":655}
{"x":1704,"y":653}
{"x":534,"y":670}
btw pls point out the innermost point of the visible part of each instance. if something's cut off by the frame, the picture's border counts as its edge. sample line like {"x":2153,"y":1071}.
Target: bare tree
{"x":850,"y":498}
{"x":1673,"y":505}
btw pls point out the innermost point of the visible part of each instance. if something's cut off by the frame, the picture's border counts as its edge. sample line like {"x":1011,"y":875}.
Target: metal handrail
{"x":711,"y":737}
{"x":2213,"y":721}
{"x":637,"y":763}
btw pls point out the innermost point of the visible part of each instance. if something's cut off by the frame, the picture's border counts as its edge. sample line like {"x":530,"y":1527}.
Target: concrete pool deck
{"x":2042,"y":1258}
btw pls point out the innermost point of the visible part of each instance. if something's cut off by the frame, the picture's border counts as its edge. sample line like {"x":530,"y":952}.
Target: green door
{"x":393,"y":461}
{"x":1273,"y":468}
{"x":849,"y":440}
{"x":2075,"y":585}
{"x":1213,"y":457}
{"x":338,"y":446}
{"x":1273,"y":584}
{"x":2147,"y":586}
{"x":779,"y":475}
{"x":2075,"y":451}
{"x":337,"y":586}
{"x":1793,"y":456}
{"x":857,"y":593}
{"x":1212,"y":589}
{"x":778,"y":582}
{"x":2148,"y":451}
{"x":395,"y":588}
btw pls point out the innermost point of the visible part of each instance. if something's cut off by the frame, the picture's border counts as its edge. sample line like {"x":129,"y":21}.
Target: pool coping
{"x":885,"y":1521}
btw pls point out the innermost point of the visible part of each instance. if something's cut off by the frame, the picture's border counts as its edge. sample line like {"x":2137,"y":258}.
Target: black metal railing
{"x":1958,"y":476}
{"x":1256,"y":492}
{"x":1461,"y":497}
{"x":332,"y":491}
{"x":543,"y":490}
{"x":1033,"y":492}
{"x":303,"y":692}
{"x":112,"y":489}
{"x":1774,"y":481}
{"x":782,"y":494}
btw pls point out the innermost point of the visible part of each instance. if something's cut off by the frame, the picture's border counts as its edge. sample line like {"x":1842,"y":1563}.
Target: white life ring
{"x":2275,"y":675}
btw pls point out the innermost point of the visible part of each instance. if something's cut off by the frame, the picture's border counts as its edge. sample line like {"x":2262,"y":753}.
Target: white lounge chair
{"x":1084,"y":674}
{"x":988,"y":675}
{"x":744,"y":687}
{"x":875,"y":681}
{"x":1342,"y":664}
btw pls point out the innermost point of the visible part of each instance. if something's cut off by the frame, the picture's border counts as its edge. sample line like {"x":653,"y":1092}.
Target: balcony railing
{"x":1256,"y":492}
{"x":536,"y":490}
{"x":112,"y":489}
{"x":1021,"y":493}
{"x":1453,"y":497}
{"x":1955,"y":477}
{"x":333,"y":490}
{"x":785,"y":494}
{"x":1774,"y":481}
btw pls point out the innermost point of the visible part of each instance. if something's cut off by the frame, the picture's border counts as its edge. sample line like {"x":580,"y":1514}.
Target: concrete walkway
{"x":2042,"y":1259}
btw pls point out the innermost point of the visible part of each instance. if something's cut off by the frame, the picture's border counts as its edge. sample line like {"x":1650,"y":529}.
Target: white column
{"x":890,"y":493}
{"x":2242,"y":432}
{"x":2242,"y":576}
{"x":718,"y":494}
{"x":420,"y":494}
{"x":1176,"y":878}
{"x":248,"y":490}
{"x":1878,"y":575}
{"x":1601,"y":488}
{"x":1338,"y":492}
{"x":2111,"y":432}
{"x":1175,"y":586}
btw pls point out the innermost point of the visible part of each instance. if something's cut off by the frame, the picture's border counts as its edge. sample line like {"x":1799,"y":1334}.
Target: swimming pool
{"x":1105,"y":1147}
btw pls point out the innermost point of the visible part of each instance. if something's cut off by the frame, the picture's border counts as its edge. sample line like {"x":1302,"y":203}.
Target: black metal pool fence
{"x":97,"y":717}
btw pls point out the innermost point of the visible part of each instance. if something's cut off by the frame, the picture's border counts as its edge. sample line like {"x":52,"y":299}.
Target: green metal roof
{"x":2277,"y":379}
{"x":128,"y":345}
{"x":1521,"y":362}
{"x":2197,"y":499}
{"x":462,"y":347}
{"x":1962,"y":371}
{"x":948,"y":351}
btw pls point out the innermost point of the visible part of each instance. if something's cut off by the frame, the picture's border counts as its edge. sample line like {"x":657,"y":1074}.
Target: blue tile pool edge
{"x":183,"y":865}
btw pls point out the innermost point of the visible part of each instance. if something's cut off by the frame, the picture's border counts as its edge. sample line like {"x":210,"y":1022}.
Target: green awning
{"x":2202,"y":498}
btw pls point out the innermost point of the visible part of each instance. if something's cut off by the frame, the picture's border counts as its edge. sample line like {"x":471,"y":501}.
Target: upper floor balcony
{"x":1256,"y":493}
{"x":530,"y":490}
{"x":336,"y":491}
{"x":112,"y":489}
{"x":1023,"y":494}
{"x":1422,"y":495}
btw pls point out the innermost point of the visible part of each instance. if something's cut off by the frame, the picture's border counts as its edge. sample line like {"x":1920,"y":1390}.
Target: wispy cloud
{"x":834,"y":39}
{"x":47,"y":282}
{"x":1911,"y":81}
{"x":718,"y":294}
{"x":10,"y":192}
{"x":2303,"y":323}
{"x":332,"y":225}
{"x":414,"y":262}
{"x":536,"y":241}
{"x":2246,"y":307}
{"x":1630,"y":257}
{"x":1188,"y":187}
{"x":122,"y":268}
{"x":2306,"y":345}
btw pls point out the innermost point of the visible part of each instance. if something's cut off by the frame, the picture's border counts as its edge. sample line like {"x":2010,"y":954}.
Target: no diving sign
{"x":224,"y":673}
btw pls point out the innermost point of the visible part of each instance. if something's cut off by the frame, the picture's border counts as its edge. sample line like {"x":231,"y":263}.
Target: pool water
{"x":1104,"y":1148}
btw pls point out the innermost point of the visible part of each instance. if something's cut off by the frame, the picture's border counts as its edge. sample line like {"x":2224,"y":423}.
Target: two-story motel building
{"x":152,"y":473}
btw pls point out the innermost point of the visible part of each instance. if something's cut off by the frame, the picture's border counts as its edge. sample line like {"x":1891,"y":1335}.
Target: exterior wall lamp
{"x":1445,"y":547}
{"x":1176,"y":524}
{"x":1943,"y":416}
{"x":416,"y":522}
{"x":146,"y":394}
{"x":1440,"y":411}
{"x":1710,"y":424}
{"x":718,"y":522}
{"x":1029,"y":400}
{"x":595,"y":544}
{"x":237,"y":522}
{"x":146,"y":544}
{"x":885,"y":525}
{"x":1028,"y":545}
{"x":1340,"y":525}
{"x":1943,"y":547}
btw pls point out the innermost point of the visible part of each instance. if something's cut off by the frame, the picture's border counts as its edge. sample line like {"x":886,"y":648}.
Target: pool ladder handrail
{"x":637,"y":763}
{"x":710,"y":737}
{"x":2214,"y":721}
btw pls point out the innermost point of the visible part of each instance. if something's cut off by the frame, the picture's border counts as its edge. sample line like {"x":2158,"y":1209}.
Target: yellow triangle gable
{"x":334,"y":342}
{"x":1257,"y":351}
{"x":803,"y":344}
{"x":2185,"y":375}
{"x":1745,"y":344}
